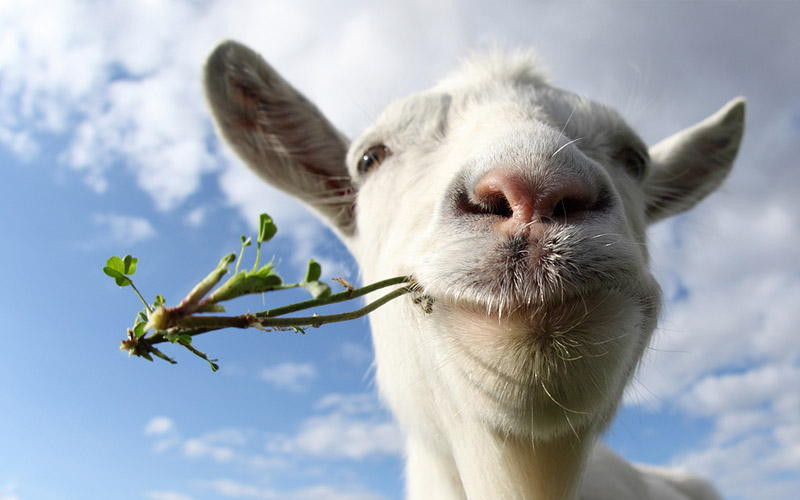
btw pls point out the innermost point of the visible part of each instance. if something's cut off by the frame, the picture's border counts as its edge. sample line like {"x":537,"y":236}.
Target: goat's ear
{"x":279,"y":133}
{"x":692,"y":163}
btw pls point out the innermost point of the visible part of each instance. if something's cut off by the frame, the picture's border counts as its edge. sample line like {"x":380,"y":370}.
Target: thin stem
{"x":197,"y":325}
{"x":140,"y":296}
{"x":331,"y":299}
{"x":258,"y":255}
{"x":239,"y":260}
{"x":334,"y":318}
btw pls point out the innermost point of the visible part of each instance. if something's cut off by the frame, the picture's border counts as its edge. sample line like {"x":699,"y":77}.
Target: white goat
{"x":521,"y":210}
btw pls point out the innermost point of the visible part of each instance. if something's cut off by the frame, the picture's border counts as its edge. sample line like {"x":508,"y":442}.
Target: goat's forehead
{"x":516,"y":68}
{"x":435,"y":109}
{"x":484,"y":78}
{"x":511,"y":86}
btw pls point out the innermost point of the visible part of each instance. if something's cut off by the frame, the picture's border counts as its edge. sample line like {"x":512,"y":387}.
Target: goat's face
{"x":521,"y":211}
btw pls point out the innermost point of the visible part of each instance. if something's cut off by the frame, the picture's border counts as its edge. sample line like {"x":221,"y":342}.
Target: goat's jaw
{"x":543,"y":371}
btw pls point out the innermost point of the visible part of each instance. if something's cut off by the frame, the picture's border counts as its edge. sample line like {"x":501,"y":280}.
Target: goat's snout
{"x":520,"y":200}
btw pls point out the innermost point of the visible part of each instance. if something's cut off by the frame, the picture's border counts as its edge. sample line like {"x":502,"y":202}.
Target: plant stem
{"x":331,"y":299}
{"x":140,"y":296}
{"x":196,"y":325}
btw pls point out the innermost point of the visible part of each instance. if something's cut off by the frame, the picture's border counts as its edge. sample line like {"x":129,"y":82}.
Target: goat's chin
{"x":547,"y":368}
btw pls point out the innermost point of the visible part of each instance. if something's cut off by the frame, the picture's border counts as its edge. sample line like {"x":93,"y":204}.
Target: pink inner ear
{"x":248,"y":101}
{"x":341,"y":187}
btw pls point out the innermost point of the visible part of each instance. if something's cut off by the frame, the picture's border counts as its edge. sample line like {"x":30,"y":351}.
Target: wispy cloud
{"x":158,"y":426}
{"x":754,"y":414}
{"x":234,"y":489}
{"x":7,"y":492}
{"x":164,"y":433}
{"x":166,"y":495}
{"x":353,"y":426}
{"x":290,"y":376}
{"x":340,"y":436}
{"x":343,"y":426}
{"x":200,"y":448}
{"x":115,"y":228}
{"x":197,"y":216}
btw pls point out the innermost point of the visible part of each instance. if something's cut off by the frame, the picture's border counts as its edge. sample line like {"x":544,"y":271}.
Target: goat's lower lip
{"x":582,"y":301}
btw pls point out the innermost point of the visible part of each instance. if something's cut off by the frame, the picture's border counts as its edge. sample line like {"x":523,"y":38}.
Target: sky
{"x":106,"y":148}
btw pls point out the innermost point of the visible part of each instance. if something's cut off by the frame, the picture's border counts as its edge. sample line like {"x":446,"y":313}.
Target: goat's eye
{"x":373,"y":157}
{"x":634,"y":161}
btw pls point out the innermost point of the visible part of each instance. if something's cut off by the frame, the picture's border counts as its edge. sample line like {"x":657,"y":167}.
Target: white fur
{"x":540,"y":310}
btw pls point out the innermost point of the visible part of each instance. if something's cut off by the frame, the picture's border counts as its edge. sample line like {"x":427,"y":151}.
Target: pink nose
{"x":522,"y":201}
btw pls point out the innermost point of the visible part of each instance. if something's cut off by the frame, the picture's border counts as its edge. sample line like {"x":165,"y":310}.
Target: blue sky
{"x":106,"y":149}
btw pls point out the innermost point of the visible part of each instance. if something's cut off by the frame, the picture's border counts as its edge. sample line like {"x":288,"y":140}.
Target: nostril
{"x":520,"y":199}
{"x":567,"y":207}
{"x":495,"y":204}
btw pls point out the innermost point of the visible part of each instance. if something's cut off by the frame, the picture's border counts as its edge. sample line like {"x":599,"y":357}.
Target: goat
{"x":521,"y":210}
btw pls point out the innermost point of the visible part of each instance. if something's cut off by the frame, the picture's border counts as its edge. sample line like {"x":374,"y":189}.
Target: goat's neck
{"x":486,"y":465}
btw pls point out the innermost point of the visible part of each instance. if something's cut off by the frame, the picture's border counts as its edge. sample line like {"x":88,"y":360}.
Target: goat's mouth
{"x":553,"y":314}
{"x":527,"y":288}
{"x":521,"y":274}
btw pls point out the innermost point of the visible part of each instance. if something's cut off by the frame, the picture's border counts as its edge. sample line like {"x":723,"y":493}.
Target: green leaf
{"x":318,"y":289}
{"x":246,"y":242}
{"x":119,"y":269}
{"x":266,"y":228}
{"x":129,"y":265}
{"x":244,"y":283}
{"x":138,"y":330}
{"x":110,"y":271}
{"x":314,"y":271}
{"x":116,"y":264}
{"x":122,"y":281}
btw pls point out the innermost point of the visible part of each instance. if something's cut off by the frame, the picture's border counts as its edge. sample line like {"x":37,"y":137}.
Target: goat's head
{"x":521,"y":210}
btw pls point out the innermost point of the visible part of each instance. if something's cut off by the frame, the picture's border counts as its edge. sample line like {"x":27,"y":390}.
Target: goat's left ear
{"x":279,"y":133}
{"x":692,"y":163}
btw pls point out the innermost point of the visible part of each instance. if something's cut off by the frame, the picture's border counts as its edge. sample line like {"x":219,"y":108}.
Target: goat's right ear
{"x":279,"y":133}
{"x":689,"y":165}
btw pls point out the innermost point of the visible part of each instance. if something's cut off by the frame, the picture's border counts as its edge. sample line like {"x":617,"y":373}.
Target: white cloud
{"x":123,"y":228}
{"x":158,"y":426}
{"x":7,"y":492}
{"x":755,"y":422}
{"x":291,"y":376}
{"x":723,"y":394}
{"x":200,"y":448}
{"x":166,"y":495}
{"x":234,"y":489}
{"x":332,"y":493}
{"x":345,"y":426}
{"x":196,"y":217}
{"x":349,"y":404}
{"x":748,"y":468}
{"x":223,"y":446}
{"x":19,"y":142}
{"x":339,"y":436}
{"x":354,"y":427}
{"x":163,"y":431}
